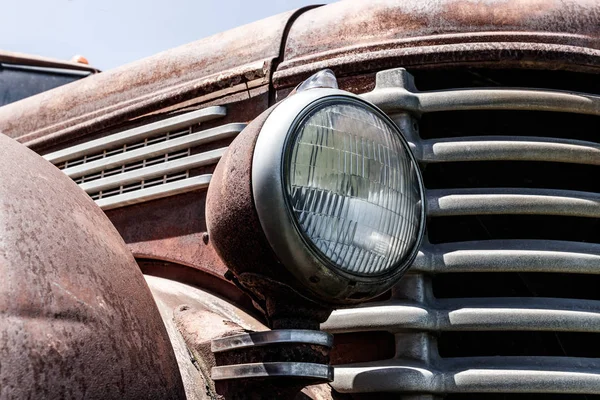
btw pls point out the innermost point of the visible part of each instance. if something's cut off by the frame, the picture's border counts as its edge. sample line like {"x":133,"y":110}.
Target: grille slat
{"x":155,"y":192}
{"x":452,"y":202}
{"x":480,"y":314}
{"x":507,"y":148}
{"x":509,"y":256}
{"x":477,"y":374}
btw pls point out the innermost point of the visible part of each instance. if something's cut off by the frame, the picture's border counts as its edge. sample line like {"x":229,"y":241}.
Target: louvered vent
{"x":504,"y":296}
{"x":147,"y":162}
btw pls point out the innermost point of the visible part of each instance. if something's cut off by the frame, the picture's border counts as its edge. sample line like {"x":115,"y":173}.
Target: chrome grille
{"x":416,"y":317}
{"x":146,"y":162}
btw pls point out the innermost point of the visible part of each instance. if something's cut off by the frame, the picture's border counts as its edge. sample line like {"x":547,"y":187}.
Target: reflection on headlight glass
{"x":354,"y":189}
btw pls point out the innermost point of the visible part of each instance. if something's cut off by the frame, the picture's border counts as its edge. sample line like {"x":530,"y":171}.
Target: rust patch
{"x":352,"y":23}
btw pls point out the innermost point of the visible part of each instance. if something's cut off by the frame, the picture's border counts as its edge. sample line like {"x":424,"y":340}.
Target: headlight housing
{"x":337,"y":194}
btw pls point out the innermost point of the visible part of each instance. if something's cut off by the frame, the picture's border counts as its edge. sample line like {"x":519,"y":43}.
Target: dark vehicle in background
{"x":24,"y":75}
{"x":458,"y":138}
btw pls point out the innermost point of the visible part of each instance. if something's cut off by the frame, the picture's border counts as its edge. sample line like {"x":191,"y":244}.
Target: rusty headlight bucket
{"x":337,"y":195}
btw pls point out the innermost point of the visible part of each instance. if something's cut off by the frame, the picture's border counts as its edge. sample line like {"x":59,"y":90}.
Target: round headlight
{"x":353,"y":188}
{"x":338,"y":194}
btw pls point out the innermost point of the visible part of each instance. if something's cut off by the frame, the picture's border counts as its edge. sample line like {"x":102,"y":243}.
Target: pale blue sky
{"x":114,"y":32}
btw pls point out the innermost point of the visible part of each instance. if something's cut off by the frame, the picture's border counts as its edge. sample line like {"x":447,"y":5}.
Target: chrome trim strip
{"x":194,"y":139}
{"x":49,"y":70}
{"x":155,"y":192}
{"x":181,"y":164}
{"x":141,"y":132}
{"x":271,"y":369}
{"x":278,"y":336}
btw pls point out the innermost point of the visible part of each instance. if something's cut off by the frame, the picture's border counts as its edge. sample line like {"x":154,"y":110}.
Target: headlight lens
{"x":353,"y":188}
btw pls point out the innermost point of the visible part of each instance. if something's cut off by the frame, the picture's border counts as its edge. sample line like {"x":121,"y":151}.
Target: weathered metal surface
{"x":76,"y":317}
{"x":38,"y":61}
{"x":194,"y":317}
{"x":355,"y":36}
{"x":209,"y":282}
{"x":221,"y":61}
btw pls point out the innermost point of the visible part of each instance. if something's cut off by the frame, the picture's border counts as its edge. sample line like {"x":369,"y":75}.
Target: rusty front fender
{"x":77,"y":319}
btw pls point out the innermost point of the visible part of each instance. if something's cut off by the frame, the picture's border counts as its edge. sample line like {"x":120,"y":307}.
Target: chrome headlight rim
{"x":269,"y":179}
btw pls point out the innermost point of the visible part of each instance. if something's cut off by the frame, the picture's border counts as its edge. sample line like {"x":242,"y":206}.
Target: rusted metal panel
{"x":356,"y":36}
{"x":77,"y":319}
{"x":169,"y":229}
{"x":215,"y":63}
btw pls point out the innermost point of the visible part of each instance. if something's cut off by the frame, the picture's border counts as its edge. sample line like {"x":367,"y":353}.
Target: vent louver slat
{"x":191,"y":140}
{"x":182,"y":164}
{"x":136,"y":134}
{"x":157,"y":192}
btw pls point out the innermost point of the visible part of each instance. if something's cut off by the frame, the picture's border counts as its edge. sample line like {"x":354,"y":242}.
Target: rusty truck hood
{"x":351,"y":37}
